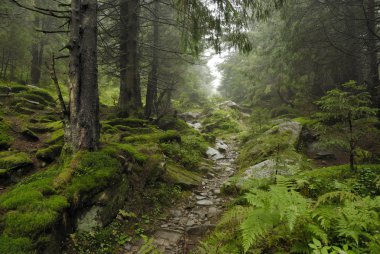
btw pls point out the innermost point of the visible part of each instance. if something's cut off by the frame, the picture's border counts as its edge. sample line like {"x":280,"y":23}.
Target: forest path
{"x":190,"y":219}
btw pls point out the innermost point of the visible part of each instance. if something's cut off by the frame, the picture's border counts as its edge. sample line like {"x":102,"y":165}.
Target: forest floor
{"x":189,"y":220}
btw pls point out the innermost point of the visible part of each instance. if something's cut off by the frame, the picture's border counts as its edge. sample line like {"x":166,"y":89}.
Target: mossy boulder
{"x":56,"y":137}
{"x":7,"y":88}
{"x":159,"y":137}
{"x":12,"y":161}
{"x":29,"y":135}
{"x":49,"y":154}
{"x":23,"y":110}
{"x":172,"y":123}
{"x":179,"y":175}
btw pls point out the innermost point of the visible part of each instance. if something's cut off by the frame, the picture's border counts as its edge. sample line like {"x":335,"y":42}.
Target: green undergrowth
{"x":32,"y":207}
{"x":332,"y":208}
{"x":221,"y":122}
{"x":259,"y":145}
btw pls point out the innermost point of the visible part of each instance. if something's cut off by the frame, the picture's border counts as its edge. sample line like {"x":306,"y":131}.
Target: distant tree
{"x":346,"y":116}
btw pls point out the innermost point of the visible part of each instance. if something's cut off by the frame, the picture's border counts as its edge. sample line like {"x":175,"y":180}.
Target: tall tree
{"x":130,"y":91}
{"x":83,"y":75}
{"x":151,"y":93}
{"x":37,"y":48}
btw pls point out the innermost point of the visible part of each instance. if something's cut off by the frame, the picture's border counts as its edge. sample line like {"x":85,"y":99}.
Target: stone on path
{"x":205,"y":202}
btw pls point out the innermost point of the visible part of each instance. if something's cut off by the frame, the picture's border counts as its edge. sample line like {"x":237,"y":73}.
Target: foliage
{"x":346,"y":116}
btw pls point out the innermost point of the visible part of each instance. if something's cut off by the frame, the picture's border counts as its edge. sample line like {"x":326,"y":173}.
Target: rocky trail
{"x":192,"y":218}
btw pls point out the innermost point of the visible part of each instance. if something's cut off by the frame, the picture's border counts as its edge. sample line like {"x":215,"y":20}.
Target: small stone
{"x":205,"y":202}
{"x":164,"y":226}
{"x":217,"y":191}
{"x":176,"y":213}
{"x":200,"y":197}
{"x":190,"y":223}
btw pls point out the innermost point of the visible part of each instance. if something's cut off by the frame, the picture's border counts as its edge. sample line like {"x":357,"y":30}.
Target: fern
{"x":274,"y":207}
{"x":357,"y":218}
{"x":339,"y":196}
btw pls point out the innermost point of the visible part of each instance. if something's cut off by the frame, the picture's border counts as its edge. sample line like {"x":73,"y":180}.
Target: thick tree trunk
{"x":83,"y":74}
{"x":151,"y":93}
{"x":130,"y":93}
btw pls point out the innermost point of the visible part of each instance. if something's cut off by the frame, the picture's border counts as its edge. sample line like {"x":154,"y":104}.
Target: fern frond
{"x":235,"y":216}
{"x":286,"y":182}
{"x":318,"y":233}
{"x":339,"y":196}
{"x":257,"y":225}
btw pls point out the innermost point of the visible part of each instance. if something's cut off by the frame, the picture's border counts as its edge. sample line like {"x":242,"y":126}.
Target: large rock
{"x":190,"y":116}
{"x":288,"y":127}
{"x":13,"y":164}
{"x":103,"y":207}
{"x":266,"y":169}
{"x":214,"y":154}
{"x":181,"y":176}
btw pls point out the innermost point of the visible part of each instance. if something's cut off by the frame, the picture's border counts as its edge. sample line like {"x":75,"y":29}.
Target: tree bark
{"x":151,"y":94}
{"x":83,"y":75}
{"x":37,"y":49}
{"x":373,"y":51}
{"x":124,"y":96}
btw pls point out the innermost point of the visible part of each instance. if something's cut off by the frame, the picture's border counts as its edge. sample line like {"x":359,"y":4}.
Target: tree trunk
{"x":352,"y":144}
{"x":372,"y":51}
{"x":130,"y":94}
{"x":124,"y":96}
{"x":37,"y":49}
{"x":151,"y":93}
{"x":132,"y":81}
{"x":83,"y":75}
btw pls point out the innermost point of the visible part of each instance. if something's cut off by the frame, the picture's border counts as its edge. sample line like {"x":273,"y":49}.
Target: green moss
{"x":43,"y":94}
{"x":178,"y":175}
{"x":10,"y":87}
{"x":131,"y":122}
{"x":116,"y":149}
{"x":172,"y":123}
{"x":46,"y":127}
{"x":24,"y":110}
{"x":32,"y":206}
{"x":14,"y":160}
{"x":257,"y":150}
{"x":222,"y":122}
{"x":56,"y":137}
{"x":5,"y":139}
{"x":161,"y":137}
{"x":304,"y":121}
{"x":91,"y":171}
{"x":28,"y":223}
{"x":10,"y":245}
{"x":49,"y":154}
{"x":190,"y":153}
{"x":33,"y":97}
